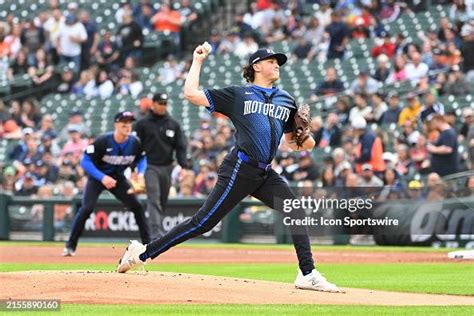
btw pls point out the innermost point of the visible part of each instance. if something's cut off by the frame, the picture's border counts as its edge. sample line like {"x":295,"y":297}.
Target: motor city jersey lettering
{"x":118,"y":160}
{"x":268,"y":109}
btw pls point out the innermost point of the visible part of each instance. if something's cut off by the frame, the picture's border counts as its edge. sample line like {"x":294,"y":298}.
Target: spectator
{"x":438,"y":62}
{"x":130,"y":39}
{"x":379,"y":107}
{"x":169,"y":20}
{"x":229,"y":44}
{"x":215,"y":41}
{"x":399,"y":73}
{"x":456,"y":84}
{"x":419,"y":155}
{"x":72,"y":8}
{"x":79,"y":87}
{"x":468,"y":120}
{"x":367,"y":178}
{"x":32,"y":38}
{"x":8,"y":180}
{"x":416,"y":69}
{"x":369,"y":147}
{"x":66,"y":82}
{"x":4,"y":115}
{"x":444,"y":26}
{"x":411,"y":111}
{"x":364,"y":84}
{"x":75,"y":121}
{"x":324,"y":13}
{"x":460,"y":12}
{"x":105,"y":86}
{"x":342,"y":110}
{"x":386,"y":47}
{"x":431,"y":107}
{"x":15,"y":111}
{"x":205,"y":187}
{"x":338,"y":34}
{"x":20,"y":65}
{"x":383,"y":70}
{"x":48,"y":144}
{"x":315,"y":32}
{"x":143,"y":13}
{"x":170,"y":72}
{"x":41,"y":71}
{"x":427,"y":54}
{"x":330,"y":86}
{"x":246,"y":47}
{"x":125,"y":8}
{"x":30,"y":116}
{"x":391,"y":10}
{"x":328,"y":178}
{"x":13,"y":40}
{"x":89,"y":46}
{"x":240,"y":26}
{"x":130,"y":84}
{"x":444,"y":152}
{"x":330,"y":134}
{"x":188,"y":14}
{"x":52,"y":29}
{"x":28,"y":155}
{"x":391,"y":179}
{"x":435,"y":188}
{"x":359,"y":31}
{"x":403,"y":164}
{"x":26,"y":185}
{"x":53,"y":170}
{"x":303,"y":49}
{"x":361,"y":109}
{"x":467,"y":51}
{"x":47,"y":127}
{"x":75,"y":145}
{"x":409,"y":133}
{"x":307,"y":169}
{"x":70,"y":38}
{"x":339,"y":158}
{"x":107,"y":54}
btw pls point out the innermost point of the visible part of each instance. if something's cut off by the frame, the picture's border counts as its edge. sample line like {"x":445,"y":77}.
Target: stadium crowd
{"x":404,"y":144}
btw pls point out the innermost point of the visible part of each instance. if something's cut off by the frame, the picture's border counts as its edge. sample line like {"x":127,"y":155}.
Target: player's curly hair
{"x":249,"y":73}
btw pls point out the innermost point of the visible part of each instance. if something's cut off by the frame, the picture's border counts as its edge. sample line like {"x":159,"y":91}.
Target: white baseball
{"x":207,"y":47}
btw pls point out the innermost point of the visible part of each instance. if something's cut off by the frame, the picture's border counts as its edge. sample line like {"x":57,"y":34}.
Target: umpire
{"x":161,"y":136}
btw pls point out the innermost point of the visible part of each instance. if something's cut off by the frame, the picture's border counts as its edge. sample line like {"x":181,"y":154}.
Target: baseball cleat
{"x":131,"y":257}
{"x":68,"y":252}
{"x":316,"y":282}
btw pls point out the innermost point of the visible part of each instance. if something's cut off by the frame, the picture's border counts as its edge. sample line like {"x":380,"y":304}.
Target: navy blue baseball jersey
{"x":260,"y":116}
{"x":107,"y":157}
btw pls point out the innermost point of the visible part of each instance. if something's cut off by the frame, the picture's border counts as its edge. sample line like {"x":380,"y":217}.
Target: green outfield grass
{"x":439,"y":278}
{"x":260,"y":310}
{"x":202,"y":245}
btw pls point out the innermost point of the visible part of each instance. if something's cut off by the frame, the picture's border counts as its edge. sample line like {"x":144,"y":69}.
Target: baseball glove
{"x":302,"y":123}
{"x":137,"y":186}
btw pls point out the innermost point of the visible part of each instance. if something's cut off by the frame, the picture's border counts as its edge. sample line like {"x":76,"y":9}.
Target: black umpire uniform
{"x":161,"y":136}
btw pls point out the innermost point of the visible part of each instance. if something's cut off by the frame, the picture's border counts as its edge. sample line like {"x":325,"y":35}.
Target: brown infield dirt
{"x":176,"y":288}
{"x":89,"y":287}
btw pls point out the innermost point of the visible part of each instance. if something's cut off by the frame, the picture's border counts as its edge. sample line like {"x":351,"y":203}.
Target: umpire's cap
{"x":160,"y":97}
{"x":125,"y":116}
{"x":265,"y":53}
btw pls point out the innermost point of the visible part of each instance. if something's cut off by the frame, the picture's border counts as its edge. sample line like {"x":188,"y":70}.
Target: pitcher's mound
{"x":175,"y":288}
